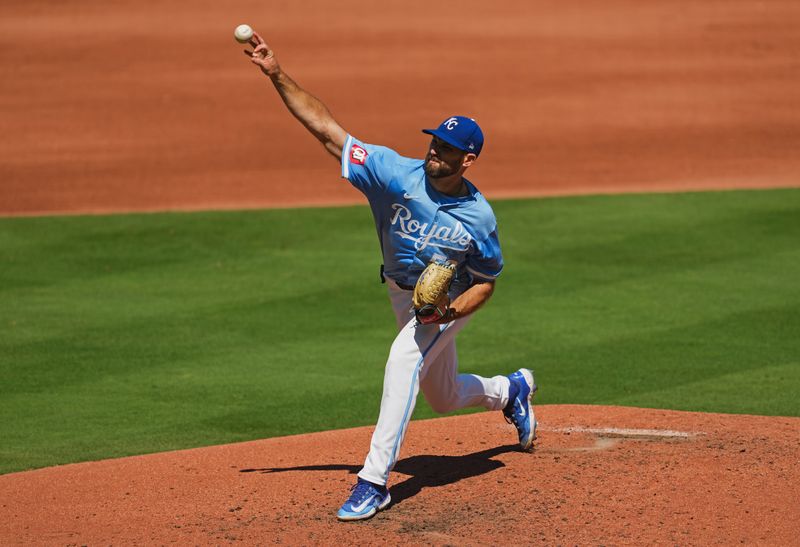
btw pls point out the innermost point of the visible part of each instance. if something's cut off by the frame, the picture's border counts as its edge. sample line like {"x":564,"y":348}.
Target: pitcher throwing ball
{"x":429,"y":219}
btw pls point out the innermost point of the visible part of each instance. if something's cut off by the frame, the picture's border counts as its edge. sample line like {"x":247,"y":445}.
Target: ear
{"x":468,"y":160}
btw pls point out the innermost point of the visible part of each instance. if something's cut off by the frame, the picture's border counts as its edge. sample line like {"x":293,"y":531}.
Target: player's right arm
{"x":309,"y":110}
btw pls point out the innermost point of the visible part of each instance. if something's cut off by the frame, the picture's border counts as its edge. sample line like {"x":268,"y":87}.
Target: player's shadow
{"x":426,"y":471}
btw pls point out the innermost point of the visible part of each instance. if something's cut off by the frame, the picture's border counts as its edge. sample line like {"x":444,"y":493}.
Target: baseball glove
{"x":430,"y":293}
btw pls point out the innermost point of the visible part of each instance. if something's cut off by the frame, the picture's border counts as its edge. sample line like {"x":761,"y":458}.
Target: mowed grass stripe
{"x":137,"y":333}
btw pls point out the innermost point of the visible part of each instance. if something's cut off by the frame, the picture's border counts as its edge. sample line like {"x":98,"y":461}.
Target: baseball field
{"x":193,"y":329}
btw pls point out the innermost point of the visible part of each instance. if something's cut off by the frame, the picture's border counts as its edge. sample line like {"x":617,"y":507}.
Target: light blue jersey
{"x":416,"y":223}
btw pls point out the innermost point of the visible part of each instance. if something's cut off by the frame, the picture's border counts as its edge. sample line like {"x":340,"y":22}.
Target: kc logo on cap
{"x":459,"y":131}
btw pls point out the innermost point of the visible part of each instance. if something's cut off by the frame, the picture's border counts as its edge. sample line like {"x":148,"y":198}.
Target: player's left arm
{"x":470,"y":300}
{"x":484,"y":264}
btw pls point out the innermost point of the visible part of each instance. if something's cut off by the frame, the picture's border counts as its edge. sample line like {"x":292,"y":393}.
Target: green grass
{"x":138,"y":333}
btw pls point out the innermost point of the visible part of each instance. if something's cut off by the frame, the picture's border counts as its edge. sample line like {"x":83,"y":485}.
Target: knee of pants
{"x":441,"y":403}
{"x":442,"y":407}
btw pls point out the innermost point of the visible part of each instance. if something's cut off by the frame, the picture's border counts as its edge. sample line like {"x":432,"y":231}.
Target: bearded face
{"x":435,"y":168}
{"x":442,"y":159}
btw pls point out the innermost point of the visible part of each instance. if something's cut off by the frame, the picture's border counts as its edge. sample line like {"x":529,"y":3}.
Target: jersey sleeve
{"x":485,"y":261}
{"x":368,"y":167}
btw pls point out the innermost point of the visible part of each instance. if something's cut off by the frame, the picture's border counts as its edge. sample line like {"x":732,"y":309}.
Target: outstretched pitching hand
{"x":263,"y":56}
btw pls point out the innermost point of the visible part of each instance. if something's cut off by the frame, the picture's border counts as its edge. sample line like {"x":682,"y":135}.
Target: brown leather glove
{"x":430,"y":293}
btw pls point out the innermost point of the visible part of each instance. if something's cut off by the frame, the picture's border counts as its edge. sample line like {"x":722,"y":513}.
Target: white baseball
{"x":243,"y":33}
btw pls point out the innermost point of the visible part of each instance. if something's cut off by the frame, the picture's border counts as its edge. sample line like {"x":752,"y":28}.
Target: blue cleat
{"x":365,"y":500}
{"x":519,"y":410}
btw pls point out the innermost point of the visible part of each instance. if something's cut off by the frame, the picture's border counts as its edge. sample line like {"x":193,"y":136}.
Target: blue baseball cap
{"x":462,"y":132}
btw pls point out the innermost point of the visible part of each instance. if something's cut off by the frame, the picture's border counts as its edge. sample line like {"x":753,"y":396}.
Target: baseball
{"x":243,"y":33}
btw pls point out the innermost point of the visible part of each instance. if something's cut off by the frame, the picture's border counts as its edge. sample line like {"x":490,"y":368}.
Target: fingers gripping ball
{"x":430,"y":293}
{"x":243,"y":33}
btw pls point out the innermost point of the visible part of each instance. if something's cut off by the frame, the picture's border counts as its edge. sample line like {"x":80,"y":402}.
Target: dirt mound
{"x":597,"y":475}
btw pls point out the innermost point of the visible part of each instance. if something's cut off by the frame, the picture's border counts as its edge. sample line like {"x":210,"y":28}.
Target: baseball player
{"x":425,"y":212}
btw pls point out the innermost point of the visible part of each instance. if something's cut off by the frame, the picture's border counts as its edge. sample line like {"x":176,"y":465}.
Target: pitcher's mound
{"x":598,"y":475}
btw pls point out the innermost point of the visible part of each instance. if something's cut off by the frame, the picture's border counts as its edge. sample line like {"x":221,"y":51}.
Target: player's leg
{"x":446,"y":390}
{"x":413,"y":349}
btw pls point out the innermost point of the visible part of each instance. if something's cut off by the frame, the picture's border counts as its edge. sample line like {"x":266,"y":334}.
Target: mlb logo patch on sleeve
{"x":358,"y":155}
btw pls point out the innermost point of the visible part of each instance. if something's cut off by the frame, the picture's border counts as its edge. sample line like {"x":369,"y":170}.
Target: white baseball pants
{"x":422,"y":356}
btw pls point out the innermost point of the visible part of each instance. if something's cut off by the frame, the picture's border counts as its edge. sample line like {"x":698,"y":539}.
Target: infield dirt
{"x":113,"y":106}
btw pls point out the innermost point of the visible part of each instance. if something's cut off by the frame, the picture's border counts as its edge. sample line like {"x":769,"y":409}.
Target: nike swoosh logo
{"x":406,"y":195}
{"x":522,"y":410}
{"x":363,"y":505}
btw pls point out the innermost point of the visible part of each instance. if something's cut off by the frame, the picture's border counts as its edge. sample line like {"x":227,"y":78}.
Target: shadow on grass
{"x":426,"y":471}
